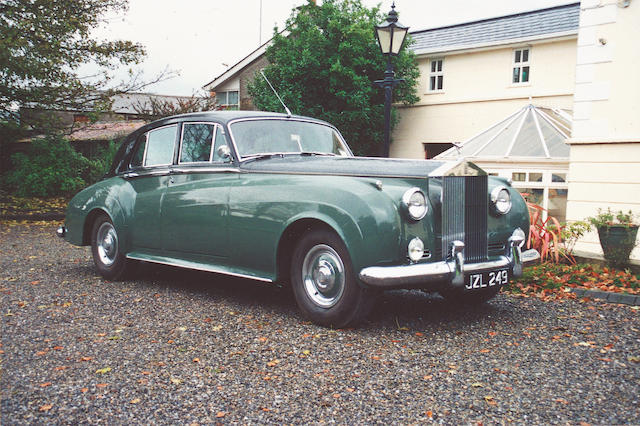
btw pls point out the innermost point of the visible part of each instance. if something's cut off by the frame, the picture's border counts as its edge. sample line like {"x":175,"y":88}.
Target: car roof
{"x":225,"y":117}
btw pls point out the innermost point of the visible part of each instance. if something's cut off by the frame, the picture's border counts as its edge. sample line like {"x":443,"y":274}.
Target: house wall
{"x":478,"y":93}
{"x":605,"y":142}
{"x":241,"y":81}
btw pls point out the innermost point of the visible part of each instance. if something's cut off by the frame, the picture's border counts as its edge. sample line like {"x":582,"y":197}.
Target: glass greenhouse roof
{"x":531,"y":132}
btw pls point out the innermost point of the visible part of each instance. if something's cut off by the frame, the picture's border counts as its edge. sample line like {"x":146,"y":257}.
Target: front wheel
{"x":106,"y":250}
{"x":324,"y":284}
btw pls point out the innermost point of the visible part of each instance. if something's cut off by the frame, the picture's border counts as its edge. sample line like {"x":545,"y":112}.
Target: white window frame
{"x":226,"y":98}
{"x":520,"y":65}
{"x":435,"y":74}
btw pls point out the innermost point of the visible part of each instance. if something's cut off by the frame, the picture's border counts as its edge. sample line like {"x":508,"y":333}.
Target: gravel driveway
{"x":172,"y":346}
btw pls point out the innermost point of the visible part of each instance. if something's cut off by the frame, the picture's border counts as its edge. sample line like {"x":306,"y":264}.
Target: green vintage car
{"x":282,"y":199}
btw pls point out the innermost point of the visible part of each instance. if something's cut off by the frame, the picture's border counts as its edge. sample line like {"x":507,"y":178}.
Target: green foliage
{"x":42,"y":46}
{"x":52,"y":167}
{"x":610,"y":218}
{"x":325,"y":67}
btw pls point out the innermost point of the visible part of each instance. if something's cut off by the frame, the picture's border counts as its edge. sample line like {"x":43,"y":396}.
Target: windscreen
{"x":256,"y":137}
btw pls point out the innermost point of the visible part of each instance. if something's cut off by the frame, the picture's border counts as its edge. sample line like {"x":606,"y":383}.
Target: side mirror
{"x":224,"y":152}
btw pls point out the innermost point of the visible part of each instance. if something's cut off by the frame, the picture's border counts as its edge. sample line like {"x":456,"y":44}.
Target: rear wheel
{"x":106,"y":250}
{"x":323,"y":281}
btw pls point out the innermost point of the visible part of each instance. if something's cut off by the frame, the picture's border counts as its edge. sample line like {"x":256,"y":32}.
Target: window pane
{"x":518,"y":53}
{"x":440,"y":82}
{"x":433,"y":66}
{"x":221,"y":98}
{"x":516,"y":75}
{"x":535,"y":177}
{"x":196,"y":143}
{"x":220,"y":140}
{"x":525,"y":55}
{"x":518,"y":176}
{"x":138,"y":156}
{"x":559,"y":177}
{"x":535,"y":196}
{"x":439,"y":65}
{"x":432,"y":85}
{"x":525,"y":74}
{"x":233,"y":98}
{"x":558,"y":204}
{"x":160,"y":146}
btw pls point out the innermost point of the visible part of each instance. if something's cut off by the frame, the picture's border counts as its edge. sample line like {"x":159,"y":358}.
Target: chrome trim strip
{"x":198,"y":267}
{"x":285,"y":172}
{"x":439,"y":172}
{"x":186,"y":170}
{"x":131,"y":175}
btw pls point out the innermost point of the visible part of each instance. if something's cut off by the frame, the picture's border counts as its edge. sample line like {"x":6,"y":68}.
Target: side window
{"x":138,"y":156}
{"x":220,"y":140}
{"x":197,"y":142}
{"x":160,"y":144}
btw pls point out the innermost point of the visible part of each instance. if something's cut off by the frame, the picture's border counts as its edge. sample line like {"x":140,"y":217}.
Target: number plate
{"x":487,"y":279}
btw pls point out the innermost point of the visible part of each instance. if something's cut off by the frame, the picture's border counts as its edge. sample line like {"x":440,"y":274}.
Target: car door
{"x":195,"y":207}
{"x":149,"y":175}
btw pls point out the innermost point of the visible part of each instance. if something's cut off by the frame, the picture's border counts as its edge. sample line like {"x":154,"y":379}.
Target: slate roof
{"x":535,"y":24}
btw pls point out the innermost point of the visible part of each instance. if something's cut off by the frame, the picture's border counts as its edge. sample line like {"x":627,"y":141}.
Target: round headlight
{"x":416,"y":249}
{"x":415,"y":203}
{"x":501,"y":200}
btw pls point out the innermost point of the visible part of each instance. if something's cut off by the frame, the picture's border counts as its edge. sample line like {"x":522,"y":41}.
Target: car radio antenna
{"x":276,"y":93}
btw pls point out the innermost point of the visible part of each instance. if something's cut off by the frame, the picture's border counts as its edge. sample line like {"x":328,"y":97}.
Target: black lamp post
{"x":390,"y":36}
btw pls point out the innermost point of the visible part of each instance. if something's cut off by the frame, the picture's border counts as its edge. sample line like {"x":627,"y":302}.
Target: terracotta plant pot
{"x":617,"y":242}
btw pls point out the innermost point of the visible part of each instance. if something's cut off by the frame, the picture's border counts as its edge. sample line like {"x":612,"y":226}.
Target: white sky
{"x":196,"y":37}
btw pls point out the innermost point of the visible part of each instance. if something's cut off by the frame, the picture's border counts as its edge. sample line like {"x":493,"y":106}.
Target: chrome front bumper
{"x":451,"y":271}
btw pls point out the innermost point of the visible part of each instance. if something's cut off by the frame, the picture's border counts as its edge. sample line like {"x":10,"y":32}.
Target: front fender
{"x":110,"y":196}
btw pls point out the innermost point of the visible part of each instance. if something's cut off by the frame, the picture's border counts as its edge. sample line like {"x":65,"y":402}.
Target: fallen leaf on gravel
{"x":196,"y":360}
{"x":175,"y":381}
{"x":351,"y":390}
{"x":86,"y":358}
{"x":635,"y":359}
{"x":40,"y":353}
{"x":336,"y":395}
{"x":146,"y":373}
{"x":45,"y":384}
{"x":221,"y":414}
{"x":484,"y":351}
{"x":477,"y":385}
{"x":306,"y":352}
{"x":586,"y":344}
{"x":182,"y":329}
{"x":429,"y":414}
{"x":134,"y":401}
{"x":45,"y":407}
{"x":428,"y":377}
{"x":562,"y":401}
{"x":84,"y":390}
{"x":273,"y":363}
{"x":216,"y":328}
{"x":103,"y":370}
{"x":61,"y":367}
{"x":489,"y":400}
{"x":102,"y":385}
{"x":57,"y":348}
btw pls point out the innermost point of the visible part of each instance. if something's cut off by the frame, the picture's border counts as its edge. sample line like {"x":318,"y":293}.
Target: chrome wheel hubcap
{"x":323,"y":275}
{"x":107,"y":242}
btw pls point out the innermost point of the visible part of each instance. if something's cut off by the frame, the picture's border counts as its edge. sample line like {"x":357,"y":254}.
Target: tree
{"x":154,"y":107}
{"x":44,"y":43}
{"x":325,"y":67}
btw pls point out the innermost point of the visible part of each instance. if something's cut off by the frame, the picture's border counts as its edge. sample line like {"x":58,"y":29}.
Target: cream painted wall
{"x":478,"y":93}
{"x":605,"y":144}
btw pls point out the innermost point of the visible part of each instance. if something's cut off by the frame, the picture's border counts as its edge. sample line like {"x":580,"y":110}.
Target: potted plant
{"x":617,"y":232}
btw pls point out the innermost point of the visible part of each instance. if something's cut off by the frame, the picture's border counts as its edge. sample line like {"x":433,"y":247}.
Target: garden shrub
{"x":52,"y":167}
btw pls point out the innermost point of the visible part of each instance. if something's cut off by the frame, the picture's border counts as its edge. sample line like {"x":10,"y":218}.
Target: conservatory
{"x":529,"y":148}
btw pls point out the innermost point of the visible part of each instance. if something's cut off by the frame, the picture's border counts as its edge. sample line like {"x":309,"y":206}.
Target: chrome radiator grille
{"x":464,"y":215}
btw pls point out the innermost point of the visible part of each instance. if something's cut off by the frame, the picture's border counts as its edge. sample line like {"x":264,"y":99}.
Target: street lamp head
{"x":391,"y":34}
